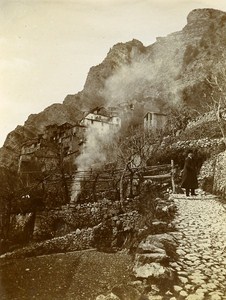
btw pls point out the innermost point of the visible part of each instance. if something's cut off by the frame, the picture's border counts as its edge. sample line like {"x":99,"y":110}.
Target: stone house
{"x":102,"y":120}
{"x":57,"y":140}
{"x":154,"y":120}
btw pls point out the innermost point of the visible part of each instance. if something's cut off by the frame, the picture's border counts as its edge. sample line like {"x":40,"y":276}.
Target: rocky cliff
{"x":172,"y":70}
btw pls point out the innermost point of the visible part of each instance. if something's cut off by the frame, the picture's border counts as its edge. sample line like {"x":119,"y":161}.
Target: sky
{"x":48,"y":46}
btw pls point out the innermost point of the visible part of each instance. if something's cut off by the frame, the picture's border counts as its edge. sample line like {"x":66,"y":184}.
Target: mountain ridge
{"x":170,"y":71}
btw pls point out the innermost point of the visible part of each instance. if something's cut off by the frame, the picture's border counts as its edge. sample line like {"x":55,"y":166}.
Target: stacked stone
{"x":207,"y":117}
{"x":82,"y":216}
{"x":201,"y":266}
{"x":207,"y":169}
{"x":152,"y":270}
{"x":220,"y":174}
{"x":200,"y":143}
{"x":128,"y":220}
{"x":78,"y":240}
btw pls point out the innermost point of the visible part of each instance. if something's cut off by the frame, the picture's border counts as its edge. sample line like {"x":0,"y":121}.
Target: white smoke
{"x":93,"y":156}
{"x":142,"y":78}
{"x":93,"y":153}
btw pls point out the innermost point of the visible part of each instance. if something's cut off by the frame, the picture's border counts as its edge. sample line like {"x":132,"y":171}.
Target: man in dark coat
{"x":189,"y":178}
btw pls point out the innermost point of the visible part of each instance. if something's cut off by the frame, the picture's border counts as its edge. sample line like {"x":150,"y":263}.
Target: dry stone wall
{"x":202,"y":143}
{"x":213,"y":174}
{"x":67,"y":218}
{"x":219,"y":184}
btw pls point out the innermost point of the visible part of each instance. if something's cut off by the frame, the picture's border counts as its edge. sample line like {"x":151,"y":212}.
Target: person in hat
{"x":189,"y":177}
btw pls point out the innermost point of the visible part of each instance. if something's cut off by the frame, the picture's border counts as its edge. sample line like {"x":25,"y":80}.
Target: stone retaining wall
{"x":78,"y":240}
{"x":201,"y":143}
{"x":219,"y":183}
{"x":65,"y":219}
{"x":213,"y":174}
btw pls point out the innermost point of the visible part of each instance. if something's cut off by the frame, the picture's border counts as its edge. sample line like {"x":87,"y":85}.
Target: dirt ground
{"x":78,"y":275}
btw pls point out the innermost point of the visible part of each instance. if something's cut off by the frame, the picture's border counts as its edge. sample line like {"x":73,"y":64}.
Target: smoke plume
{"x":93,"y":156}
{"x":143,"y":77}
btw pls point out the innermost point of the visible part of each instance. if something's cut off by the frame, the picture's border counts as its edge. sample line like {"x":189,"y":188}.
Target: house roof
{"x":155,"y":113}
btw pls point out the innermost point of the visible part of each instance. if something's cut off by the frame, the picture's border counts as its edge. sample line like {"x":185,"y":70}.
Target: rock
{"x":168,"y":293}
{"x":182,"y":273}
{"x":151,"y":257}
{"x":110,"y":296}
{"x":211,"y":286}
{"x":154,"y":270}
{"x":215,"y":297}
{"x":164,"y":238}
{"x":147,"y":247}
{"x":201,"y":291}
{"x":159,"y":226}
{"x":154,"y":297}
{"x":188,"y":287}
{"x":197,"y":281}
{"x":195,"y":297}
{"x":177,"y":288}
{"x":180,"y":252}
{"x":77,"y":231}
{"x":183,"y":280}
{"x":168,"y":241}
{"x":174,"y":265}
{"x":155,"y":288}
{"x":183,"y":294}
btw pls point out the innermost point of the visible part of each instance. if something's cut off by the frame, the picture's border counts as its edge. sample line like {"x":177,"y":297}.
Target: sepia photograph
{"x":113,"y":150}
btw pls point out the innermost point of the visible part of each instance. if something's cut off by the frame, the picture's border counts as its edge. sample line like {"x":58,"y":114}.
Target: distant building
{"x":153,"y":120}
{"x":64,"y":140}
{"x":101,"y":120}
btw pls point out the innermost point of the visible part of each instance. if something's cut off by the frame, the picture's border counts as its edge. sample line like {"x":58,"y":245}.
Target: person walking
{"x":189,"y":177}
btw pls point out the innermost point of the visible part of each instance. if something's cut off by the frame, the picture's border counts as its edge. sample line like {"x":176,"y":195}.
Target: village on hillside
{"x":71,"y":138}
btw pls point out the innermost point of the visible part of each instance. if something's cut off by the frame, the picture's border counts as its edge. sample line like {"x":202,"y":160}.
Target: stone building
{"x":102,"y":120}
{"x":57,"y":142}
{"x":154,"y":120}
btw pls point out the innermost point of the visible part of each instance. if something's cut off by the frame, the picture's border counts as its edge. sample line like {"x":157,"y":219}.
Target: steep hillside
{"x":35,"y":124}
{"x":172,"y":70}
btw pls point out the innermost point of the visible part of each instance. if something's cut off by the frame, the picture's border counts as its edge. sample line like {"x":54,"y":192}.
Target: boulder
{"x":159,"y":226}
{"x":147,"y":247}
{"x":151,"y":257}
{"x":165,"y":241}
{"x":152,"y":270}
{"x":110,"y":296}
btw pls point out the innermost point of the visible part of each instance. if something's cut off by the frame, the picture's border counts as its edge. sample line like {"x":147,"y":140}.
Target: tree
{"x":11,"y":192}
{"x":48,"y":170}
{"x":132,"y":153}
{"x":178,"y":118}
{"x":217,"y":104}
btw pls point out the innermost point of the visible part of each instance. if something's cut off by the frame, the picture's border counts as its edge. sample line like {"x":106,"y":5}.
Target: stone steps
{"x":201,"y":266}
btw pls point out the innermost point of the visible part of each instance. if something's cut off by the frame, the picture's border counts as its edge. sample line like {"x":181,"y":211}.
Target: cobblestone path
{"x":201,"y":225}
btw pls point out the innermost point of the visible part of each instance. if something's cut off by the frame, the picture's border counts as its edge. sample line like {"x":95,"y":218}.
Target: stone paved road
{"x":201,"y":225}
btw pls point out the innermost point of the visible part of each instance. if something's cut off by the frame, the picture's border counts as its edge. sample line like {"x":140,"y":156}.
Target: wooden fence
{"x":94,"y":182}
{"x":90,"y":183}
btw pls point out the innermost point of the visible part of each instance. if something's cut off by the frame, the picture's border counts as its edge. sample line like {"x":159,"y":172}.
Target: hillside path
{"x":201,"y":266}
